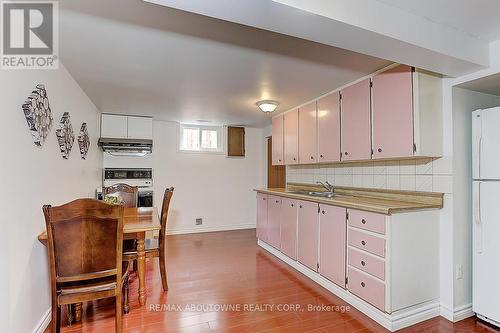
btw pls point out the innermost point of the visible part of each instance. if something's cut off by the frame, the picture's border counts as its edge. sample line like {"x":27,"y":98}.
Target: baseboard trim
{"x":462,"y":312}
{"x":393,"y":322}
{"x":210,"y":229}
{"x":43,"y":323}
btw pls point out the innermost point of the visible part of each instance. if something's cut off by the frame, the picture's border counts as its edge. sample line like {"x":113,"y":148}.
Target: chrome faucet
{"x":329,"y":187}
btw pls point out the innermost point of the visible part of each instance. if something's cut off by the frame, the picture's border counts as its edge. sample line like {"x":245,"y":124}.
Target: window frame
{"x":220,"y":138}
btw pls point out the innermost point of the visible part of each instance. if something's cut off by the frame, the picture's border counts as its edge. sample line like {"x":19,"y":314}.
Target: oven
{"x":140,"y":177}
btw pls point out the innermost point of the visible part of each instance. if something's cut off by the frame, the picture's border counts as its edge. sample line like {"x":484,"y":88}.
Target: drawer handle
{"x":363,"y":243}
{"x":277,"y":201}
{"x":363,"y":221}
{"x":363,"y":284}
{"x":363,"y":263}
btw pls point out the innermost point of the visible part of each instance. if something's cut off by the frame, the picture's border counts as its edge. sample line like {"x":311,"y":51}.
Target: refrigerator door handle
{"x":477,"y":217}
{"x":477,"y":158}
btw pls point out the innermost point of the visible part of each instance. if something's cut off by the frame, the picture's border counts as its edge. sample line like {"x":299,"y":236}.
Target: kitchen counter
{"x":386,"y":202}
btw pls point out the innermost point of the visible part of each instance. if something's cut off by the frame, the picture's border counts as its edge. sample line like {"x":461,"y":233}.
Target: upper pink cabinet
{"x":308,"y":134}
{"x":356,"y":126}
{"x":277,"y":135}
{"x":329,"y":128}
{"x":291,"y":137}
{"x":393,"y":113}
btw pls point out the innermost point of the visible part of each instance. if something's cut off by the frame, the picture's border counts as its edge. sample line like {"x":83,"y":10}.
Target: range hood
{"x":126,"y":147}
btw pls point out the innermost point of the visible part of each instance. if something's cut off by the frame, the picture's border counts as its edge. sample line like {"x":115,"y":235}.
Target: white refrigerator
{"x":486,"y":214}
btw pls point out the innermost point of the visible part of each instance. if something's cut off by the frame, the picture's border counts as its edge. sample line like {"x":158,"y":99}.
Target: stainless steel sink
{"x":316,"y":194}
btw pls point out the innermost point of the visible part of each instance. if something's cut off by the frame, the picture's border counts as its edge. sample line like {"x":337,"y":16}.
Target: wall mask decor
{"x":84,"y":141}
{"x":65,"y":135}
{"x":38,"y":114}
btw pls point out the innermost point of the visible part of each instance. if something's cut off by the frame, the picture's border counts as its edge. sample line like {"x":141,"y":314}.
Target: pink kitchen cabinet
{"x":273,"y":221}
{"x":307,"y":238}
{"x":356,"y":126}
{"x":289,"y":227}
{"x":291,"y":138}
{"x":308,"y":134}
{"x":332,"y":248}
{"x":277,"y":143}
{"x":393,"y":113}
{"x":261,"y":224}
{"x":329,"y":128}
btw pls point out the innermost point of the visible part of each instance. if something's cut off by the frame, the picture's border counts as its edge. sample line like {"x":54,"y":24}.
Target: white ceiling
{"x":133,"y":57}
{"x":478,"y":18}
{"x":487,"y":85}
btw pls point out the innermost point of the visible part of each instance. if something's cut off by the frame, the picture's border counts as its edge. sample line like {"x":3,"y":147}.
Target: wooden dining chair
{"x":155,"y":248}
{"x":85,"y":255}
{"x":129,"y":194}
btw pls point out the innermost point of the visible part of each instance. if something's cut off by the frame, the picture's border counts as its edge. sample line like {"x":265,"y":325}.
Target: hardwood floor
{"x":229,"y":268}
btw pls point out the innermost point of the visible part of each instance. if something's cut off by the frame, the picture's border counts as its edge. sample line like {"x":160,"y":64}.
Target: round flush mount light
{"x":267,"y":105}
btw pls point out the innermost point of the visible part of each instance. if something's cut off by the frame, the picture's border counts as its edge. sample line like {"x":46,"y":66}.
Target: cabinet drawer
{"x":364,"y":241}
{"x":367,"y":288}
{"x":367,"y":263}
{"x":368,"y":221}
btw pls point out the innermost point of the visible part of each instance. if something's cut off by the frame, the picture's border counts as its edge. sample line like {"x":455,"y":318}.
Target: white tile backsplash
{"x":410,"y":175}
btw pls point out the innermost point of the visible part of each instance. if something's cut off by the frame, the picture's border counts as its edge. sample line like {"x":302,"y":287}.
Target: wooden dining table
{"x":136,"y":223}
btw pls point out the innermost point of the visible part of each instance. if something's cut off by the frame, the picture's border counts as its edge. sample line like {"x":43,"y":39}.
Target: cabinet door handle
{"x":323,"y":212}
{"x":346,"y":153}
{"x":294,"y":159}
{"x":321,"y":156}
{"x":363,"y":221}
{"x":363,"y":263}
{"x":312,"y":157}
{"x":363,"y":284}
{"x":363,"y":243}
{"x":300,"y":206}
{"x":277,"y":201}
{"x":379,"y":150}
{"x":291,"y":205}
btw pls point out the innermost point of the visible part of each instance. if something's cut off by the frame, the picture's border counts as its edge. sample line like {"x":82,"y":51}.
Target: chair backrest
{"x":85,"y":239}
{"x":164,"y":215}
{"x":129,"y":194}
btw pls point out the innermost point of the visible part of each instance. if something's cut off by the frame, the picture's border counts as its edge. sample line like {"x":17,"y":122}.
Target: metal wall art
{"x":65,"y":135}
{"x":38,"y":114}
{"x":84,"y":141}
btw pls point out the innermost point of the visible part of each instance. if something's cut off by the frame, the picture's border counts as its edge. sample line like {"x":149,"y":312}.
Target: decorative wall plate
{"x":38,"y":114}
{"x":65,"y":135}
{"x":84,"y":141}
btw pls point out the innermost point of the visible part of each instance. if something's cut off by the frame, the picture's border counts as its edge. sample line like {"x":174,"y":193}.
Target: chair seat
{"x":103,"y":284}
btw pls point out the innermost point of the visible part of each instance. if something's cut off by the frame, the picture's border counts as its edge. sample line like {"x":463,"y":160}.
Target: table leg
{"x":141,"y":268}
{"x":78,"y":312}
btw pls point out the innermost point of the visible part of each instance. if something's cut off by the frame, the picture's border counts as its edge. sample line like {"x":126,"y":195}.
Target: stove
{"x":140,"y":177}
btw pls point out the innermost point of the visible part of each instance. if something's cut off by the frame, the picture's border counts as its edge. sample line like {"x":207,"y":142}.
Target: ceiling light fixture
{"x":267,"y":106}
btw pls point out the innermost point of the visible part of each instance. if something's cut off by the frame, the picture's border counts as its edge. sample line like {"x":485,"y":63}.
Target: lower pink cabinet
{"x":262,"y":216}
{"x":289,"y":227}
{"x":273,"y":221}
{"x":332,"y":243}
{"x":307,"y":234}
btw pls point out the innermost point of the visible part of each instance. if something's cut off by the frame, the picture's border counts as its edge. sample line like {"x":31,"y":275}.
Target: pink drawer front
{"x":367,"y":288}
{"x":367,"y":263}
{"x":368,"y":221}
{"x":364,"y":241}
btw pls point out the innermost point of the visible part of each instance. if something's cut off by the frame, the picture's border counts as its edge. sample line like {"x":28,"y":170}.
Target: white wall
{"x":464,"y":102}
{"x":31,"y":177}
{"x":211,"y":186}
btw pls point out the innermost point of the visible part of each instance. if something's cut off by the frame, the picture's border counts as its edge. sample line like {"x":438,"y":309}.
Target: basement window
{"x":200,"y":138}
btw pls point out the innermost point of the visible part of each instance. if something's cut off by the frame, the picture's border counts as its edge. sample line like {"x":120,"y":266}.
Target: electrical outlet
{"x":459,"y":272}
{"x":199,"y":221}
